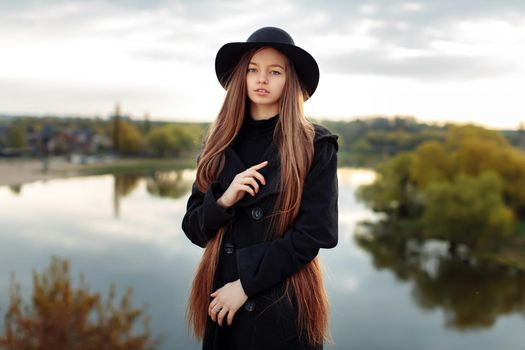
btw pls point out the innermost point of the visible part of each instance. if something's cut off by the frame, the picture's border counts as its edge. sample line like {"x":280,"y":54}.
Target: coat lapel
{"x":271,"y":172}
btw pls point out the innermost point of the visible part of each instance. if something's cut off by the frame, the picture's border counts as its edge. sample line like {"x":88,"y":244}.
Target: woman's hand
{"x":239,"y":185}
{"x":229,"y":298}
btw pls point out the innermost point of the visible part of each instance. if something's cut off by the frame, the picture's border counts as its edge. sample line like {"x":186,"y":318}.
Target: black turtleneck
{"x":254,"y":138}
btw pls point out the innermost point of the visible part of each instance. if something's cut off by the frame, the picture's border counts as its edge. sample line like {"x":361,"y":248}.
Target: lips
{"x":262,"y":91}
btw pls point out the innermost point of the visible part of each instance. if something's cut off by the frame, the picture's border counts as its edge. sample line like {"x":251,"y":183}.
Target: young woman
{"x":263,"y":203}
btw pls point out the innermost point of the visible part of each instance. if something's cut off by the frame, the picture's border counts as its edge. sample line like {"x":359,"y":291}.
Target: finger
{"x":210,"y":308}
{"x":258,"y":175}
{"x":260,"y":165}
{"x":251,"y":180}
{"x":214,"y":313}
{"x":221,"y":315}
{"x":213,"y":305}
{"x":247,"y":188}
{"x":230,"y":317}
{"x":261,"y":178}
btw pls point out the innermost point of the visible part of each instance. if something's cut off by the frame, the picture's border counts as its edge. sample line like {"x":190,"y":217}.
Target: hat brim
{"x":305,"y":65}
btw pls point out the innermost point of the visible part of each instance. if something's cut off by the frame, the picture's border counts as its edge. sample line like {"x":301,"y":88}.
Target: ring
{"x":215,"y":309}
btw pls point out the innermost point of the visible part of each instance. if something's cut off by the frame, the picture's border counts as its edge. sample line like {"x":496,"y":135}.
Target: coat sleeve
{"x":265,"y":264}
{"x":203,"y":215}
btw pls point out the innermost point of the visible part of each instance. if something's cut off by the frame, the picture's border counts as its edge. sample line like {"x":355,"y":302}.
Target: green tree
{"x":162,"y":140}
{"x":478,"y":150}
{"x":468,"y":210}
{"x":130,"y":140}
{"x":171,"y":139}
{"x":458,"y":134}
{"x":16,"y":137}
{"x":394,"y":191}
{"x":431,"y":163}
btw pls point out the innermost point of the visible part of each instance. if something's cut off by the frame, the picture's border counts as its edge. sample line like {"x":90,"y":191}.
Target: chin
{"x":262,"y":101}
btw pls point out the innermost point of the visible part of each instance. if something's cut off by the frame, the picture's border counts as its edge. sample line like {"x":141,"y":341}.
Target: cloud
{"x":146,"y":48}
{"x":370,"y":37}
{"x":425,"y":67}
{"x":162,"y":30}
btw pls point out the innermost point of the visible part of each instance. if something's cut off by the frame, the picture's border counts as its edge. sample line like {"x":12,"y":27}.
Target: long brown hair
{"x":292,"y":128}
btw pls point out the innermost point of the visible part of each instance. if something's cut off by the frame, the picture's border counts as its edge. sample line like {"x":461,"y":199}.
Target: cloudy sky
{"x":436,"y":60}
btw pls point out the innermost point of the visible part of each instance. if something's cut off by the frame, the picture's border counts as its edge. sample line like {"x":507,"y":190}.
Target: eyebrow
{"x":271,"y":65}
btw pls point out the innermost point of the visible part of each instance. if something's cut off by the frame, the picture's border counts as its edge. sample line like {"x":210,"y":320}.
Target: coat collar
{"x":271,"y":172}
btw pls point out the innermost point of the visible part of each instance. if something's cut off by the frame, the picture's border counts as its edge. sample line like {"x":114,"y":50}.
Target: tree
{"x":171,"y":139}
{"x":59,"y":317}
{"x":16,"y":137}
{"x":431,"y":163}
{"x":116,"y":128}
{"x":468,"y":210}
{"x":130,"y":140}
{"x":162,"y":140}
{"x":394,"y":191}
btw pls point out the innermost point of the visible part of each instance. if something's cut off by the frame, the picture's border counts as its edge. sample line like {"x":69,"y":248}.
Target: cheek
{"x":281,"y":85}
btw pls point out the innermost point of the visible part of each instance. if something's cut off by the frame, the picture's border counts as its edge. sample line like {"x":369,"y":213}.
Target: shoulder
{"x":324,"y":137}
{"x":325,"y":152}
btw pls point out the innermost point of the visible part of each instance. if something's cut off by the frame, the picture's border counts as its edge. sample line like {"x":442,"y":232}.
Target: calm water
{"x":127,"y":230}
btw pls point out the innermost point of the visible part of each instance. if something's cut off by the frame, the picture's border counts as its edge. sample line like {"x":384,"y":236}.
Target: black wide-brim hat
{"x":305,"y":65}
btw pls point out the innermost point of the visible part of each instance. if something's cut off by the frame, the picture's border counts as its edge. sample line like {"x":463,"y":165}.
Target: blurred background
{"x":103,"y":108}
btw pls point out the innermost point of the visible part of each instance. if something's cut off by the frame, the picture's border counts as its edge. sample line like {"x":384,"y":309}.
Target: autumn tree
{"x":466,"y":189}
{"x":130,"y":140}
{"x":60,"y":317}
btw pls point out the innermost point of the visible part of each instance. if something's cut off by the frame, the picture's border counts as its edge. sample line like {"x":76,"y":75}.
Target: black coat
{"x":263,"y":266}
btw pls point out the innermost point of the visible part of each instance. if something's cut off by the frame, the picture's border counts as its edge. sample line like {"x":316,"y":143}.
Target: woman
{"x":263,"y":203}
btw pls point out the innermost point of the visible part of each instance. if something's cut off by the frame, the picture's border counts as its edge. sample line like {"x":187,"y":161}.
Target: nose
{"x":262,"y":77}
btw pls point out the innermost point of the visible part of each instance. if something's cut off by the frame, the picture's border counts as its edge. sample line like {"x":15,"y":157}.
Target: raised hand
{"x":240,"y":185}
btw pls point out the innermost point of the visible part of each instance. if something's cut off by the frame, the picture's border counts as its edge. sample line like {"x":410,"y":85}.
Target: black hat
{"x":305,"y":65}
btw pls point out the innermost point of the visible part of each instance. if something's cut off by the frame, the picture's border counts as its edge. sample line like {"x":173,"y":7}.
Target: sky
{"x":436,"y":60}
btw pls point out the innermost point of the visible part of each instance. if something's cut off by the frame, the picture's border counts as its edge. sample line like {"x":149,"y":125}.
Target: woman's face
{"x":266,"y":76}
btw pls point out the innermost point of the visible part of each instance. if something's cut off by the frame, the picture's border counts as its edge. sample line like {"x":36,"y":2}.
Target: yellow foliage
{"x":58,"y":317}
{"x":431,"y":164}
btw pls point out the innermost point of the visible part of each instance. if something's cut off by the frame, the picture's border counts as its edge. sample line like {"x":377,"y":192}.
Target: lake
{"x":127,"y":230}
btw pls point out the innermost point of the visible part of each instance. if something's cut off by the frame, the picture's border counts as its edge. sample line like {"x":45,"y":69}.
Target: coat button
{"x":229,"y":248}
{"x":257,"y":213}
{"x":249,"y":305}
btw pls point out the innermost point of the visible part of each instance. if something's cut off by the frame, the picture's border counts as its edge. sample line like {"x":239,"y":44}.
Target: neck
{"x":261,"y":112}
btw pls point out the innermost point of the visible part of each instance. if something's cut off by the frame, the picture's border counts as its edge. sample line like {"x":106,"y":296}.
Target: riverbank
{"x":21,"y":171}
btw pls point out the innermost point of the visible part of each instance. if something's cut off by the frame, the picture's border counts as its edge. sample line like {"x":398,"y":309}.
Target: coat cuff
{"x":215,"y":216}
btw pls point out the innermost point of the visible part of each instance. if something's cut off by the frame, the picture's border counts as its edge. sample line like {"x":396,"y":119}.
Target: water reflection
{"x":473,"y":293}
{"x":168,"y":184}
{"x":16,"y":189}
{"x":58,"y":316}
{"x":144,"y":247}
{"x":124,"y":185}
{"x":165,"y":184}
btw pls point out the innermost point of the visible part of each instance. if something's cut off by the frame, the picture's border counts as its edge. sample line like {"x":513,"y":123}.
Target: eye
{"x":276,"y":72}
{"x":251,"y":69}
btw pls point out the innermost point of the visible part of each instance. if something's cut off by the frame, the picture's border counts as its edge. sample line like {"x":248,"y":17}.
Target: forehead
{"x":269,"y":55}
